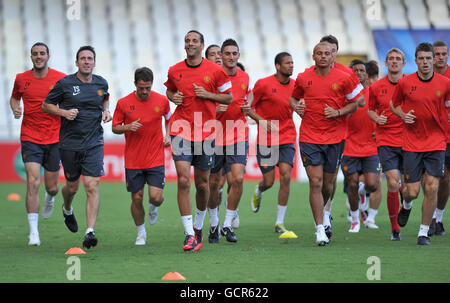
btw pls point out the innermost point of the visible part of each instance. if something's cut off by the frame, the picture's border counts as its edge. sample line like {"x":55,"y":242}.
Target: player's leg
{"x":353,"y":199}
{"x":156,"y":181}
{"x":372,"y":178}
{"x":315,"y":177}
{"x":32,"y":203}
{"x":72,"y":173}
{"x":51,"y":166}
{"x":430,"y":189}
{"x":443,"y":194}
{"x":267,"y":167}
{"x":393,"y":201}
{"x":283,"y":195}
{"x":91,"y":187}
{"x":234,"y":196}
{"x":413,"y":171}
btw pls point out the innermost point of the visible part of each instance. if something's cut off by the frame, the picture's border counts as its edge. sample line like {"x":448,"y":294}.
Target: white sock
{"x":423,"y":230}
{"x":199,"y":218}
{"x":141,"y":229}
{"x":407,"y":205}
{"x":439,"y":213}
{"x":89,"y":229}
{"x":187,"y":223}
{"x":372,"y":214}
{"x":33,"y":221}
{"x":281,"y":211}
{"x":331,"y":204}
{"x":67,"y":212}
{"x":213,"y":216}
{"x":319,"y":227}
{"x":229,"y":216}
{"x":355,"y":215}
{"x":326,"y":217}
{"x":258,"y":193}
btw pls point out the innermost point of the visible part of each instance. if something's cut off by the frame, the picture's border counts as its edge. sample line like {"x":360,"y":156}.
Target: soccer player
{"x":82,"y":101}
{"x":360,"y":155}
{"x":195,"y":85}
{"x":269,"y":101}
{"x":139,"y":117}
{"x":441,"y":67}
{"x":419,"y":100}
{"x":214,"y":54}
{"x":329,"y":95}
{"x":388,"y":133}
{"x":231,"y":145}
{"x":39,"y":147}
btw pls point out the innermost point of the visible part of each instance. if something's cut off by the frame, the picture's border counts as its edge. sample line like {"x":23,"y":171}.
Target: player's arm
{"x":106,"y":115}
{"x":175,"y":97}
{"x":249,"y":111}
{"x":15,"y":107}
{"x":222,"y":98}
{"x":408,"y":117}
{"x":378,"y":119}
{"x":297,"y":105}
{"x":123,"y":128}
{"x":349,"y":108}
{"x":69,"y":114}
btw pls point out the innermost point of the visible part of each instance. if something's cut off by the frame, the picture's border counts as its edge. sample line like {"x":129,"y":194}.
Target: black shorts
{"x":269,"y":156}
{"x":199,"y":154}
{"x":361,"y":165}
{"x":391,"y":158}
{"x":327,"y":155}
{"x":416,"y":163}
{"x":45,"y":154}
{"x":137,"y":178}
{"x":230,"y":154}
{"x":447,"y":156}
{"x":86,"y":163}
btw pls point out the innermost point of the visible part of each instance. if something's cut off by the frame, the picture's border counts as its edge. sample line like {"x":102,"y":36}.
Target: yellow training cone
{"x":288,"y":235}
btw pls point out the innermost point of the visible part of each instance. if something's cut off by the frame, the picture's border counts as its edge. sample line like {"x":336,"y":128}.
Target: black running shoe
{"x":214,"y":235}
{"x":71,"y":222}
{"x":229,"y":234}
{"x":90,"y":240}
{"x":403,"y":216}
{"x":440,"y":231}
{"x":199,"y":238}
{"x":328,"y":231}
{"x":432,"y":228}
{"x":422,"y":240}
{"x":396,"y":235}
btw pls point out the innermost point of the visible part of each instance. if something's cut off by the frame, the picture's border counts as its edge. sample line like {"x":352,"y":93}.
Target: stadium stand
{"x":129,"y":34}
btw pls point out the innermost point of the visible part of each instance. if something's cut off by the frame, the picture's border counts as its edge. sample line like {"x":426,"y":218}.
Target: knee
{"x":156,"y":200}
{"x":393,"y":185}
{"x":431,"y":187}
{"x":52,"y":190}
{"x":214,"y":184}
{"x":412,"y":191}
{"x":268,"y":183}
{"x":184,"y":183}
{"x":72,"y":188}
{"x":315,"y":184}
{"x":202,"y":188}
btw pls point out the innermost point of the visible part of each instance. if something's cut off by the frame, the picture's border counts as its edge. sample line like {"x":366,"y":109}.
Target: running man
{"x":82,"y":101}
{"x":195,"y":85}
{"x":139,"y":117}
{"x":39,"y":135}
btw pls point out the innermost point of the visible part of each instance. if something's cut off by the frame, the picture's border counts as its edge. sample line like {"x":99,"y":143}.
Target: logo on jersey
{"x":157,"y":109}
{"x":179,"y":78}
{"x":51,"y":87}
{"x":100,"y":92}
{"x":438,"y":93}
{"x":27,"y":85}
{"x":413,"y":90}
{"x":76,"y":90}
{"x":207,"y":79}
{"x":309,"y":84}
{"x":244,"y":86}
{"x":334,"y":86}
{"x":383,"y":92}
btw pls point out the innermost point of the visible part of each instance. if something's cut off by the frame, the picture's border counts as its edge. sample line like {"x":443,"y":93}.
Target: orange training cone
{"x":75,"y":251}
{"x":13,"y":197}
{"x":173,"y":276}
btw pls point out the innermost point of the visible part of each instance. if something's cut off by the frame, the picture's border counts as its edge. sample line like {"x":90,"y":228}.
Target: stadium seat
{"x":438,"y":13}
{"x":417,"y":14}
{"x":395,"y":14}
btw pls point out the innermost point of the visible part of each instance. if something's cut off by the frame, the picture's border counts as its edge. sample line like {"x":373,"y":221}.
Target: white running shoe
{"x":354,"y":228}
{"x":370,"y":224}
{"x":152,"y":214}
{"x":235,"y":222}
{"x":34,"y":239}
{"x":141,"y":239}
{"x":49,"y":205}
{"x":321,"y":237}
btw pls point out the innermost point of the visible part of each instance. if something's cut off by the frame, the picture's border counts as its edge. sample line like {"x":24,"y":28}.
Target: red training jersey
{"x":360,"y":141}
{"x":335,"y":90}
{"x":237,"y":128}
{"x":195,"y":118}
{"x":37,"y":126}
{"x":447,"y":104}
{"x":143,"y":148}
{"x":380,"y":96}
{"x":271,"y":101}
{"x":427,"y":99}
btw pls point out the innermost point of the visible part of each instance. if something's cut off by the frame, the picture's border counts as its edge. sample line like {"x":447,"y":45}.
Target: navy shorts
{"x":199,"y":154}
{"x":87,"y":163}
{"x":327,"y":155}
{"x":269,"y":156}
{"x":45,"y":154}
{"x":137,"y":178}
{"x":447,"y":156}
{"x":230,"y":154}
{"x":415,"y":164}
{"x":391,"y":158}
{"x":361,"y":165}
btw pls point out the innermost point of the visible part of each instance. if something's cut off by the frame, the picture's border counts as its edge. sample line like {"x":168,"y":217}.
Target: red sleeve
{"x":352,"y":90}
{"x":397,"y":97}
{"x":119,"y":117}
{"x":373,"y":104}
{"x":169,"y":83}
{"x":16,"y":93}
{"x":222,"y":81}
{"x":298,"y":91}
{"x":257,"y":93}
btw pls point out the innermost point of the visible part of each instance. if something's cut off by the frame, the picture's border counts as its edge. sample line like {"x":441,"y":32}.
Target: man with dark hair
{"x":323,"y":96}
{"x":195,"y":85}
{"x":372,"y":71}
{"x":441,"y":67}
{"x":39,"y":148}
{"x":231,"y":145}
{"x":139,"y":117}
{"x":214,"y":54}
{"x":269,"y":101}
{"x":82,"y":101}
{"x":419,"y":100}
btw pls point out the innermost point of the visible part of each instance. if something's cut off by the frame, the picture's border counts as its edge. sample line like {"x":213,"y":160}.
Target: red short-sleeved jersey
{"x":359,"y":141}
{"x":37,"y":126}
{"x":237,"y":121}
{"x":380,"y":96}
{"x":143,"y":148}
{"x":271,"y":101}
{"x":427,"y":99}
{"x":195,"y":118}
{"x":318,"y":91}
{"x":447,"y":105}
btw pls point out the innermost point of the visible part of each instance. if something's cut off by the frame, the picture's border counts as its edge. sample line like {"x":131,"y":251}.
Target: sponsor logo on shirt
{"x":309,"y":84}
{"x":27,"y":85}
{"x":413,"y":90}
{"x":383,"y":92}
{"x":179,"y":78}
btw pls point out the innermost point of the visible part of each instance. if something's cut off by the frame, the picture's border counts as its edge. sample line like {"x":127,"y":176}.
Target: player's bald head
{"x":322,"y":46}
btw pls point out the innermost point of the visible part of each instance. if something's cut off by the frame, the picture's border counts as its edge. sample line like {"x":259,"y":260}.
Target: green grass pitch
{"x":258,"y":256}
